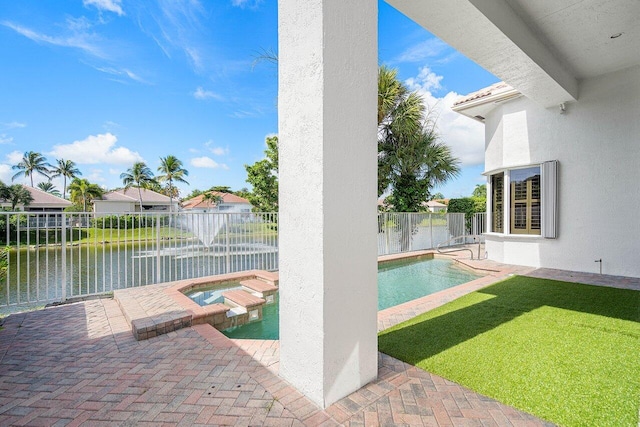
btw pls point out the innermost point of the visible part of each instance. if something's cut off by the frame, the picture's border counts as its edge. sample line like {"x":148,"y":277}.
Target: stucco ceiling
{"x":578,"y":32}
{"x":543,"y":48}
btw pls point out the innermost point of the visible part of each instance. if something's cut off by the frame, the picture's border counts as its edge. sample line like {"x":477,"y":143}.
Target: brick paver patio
{"x":79,"y":364}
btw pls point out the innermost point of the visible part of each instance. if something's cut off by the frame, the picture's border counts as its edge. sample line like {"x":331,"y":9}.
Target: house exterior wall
{"x":234,"y":208}
{"x":104,"y":207}
{"x":597,"y":144}
{"x":226,"y":208}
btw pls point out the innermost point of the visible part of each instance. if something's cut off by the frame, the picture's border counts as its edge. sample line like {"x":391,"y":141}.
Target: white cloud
{"x":78,"y":40}
{"x":463,"y":135}
{"x":203,"y":94}
{"x":194,"y":55}
{"x":207,"y":162}
{"x":122,"y":73}
{"x":6,"y":173}
{"x":95,"y":175}
{"x":108,"y":5}
{"x":429,"y":48}
{"x":96,"y":149}
{"x":194,"y":150}
{"x":110,"y":125}
{"x":13,"y":125}
{"x":78,"y":24}
{"x":5,"y":139}
{"x":178,"y":25}
{"x":426,"y":80}
{"x":217,"y":151}
{"x":244,"y":114}
{"x":14,"y":157}
{"x":246,"y":4}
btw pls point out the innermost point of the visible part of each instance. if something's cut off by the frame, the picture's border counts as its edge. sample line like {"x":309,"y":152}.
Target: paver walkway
{"x":79,"y":364}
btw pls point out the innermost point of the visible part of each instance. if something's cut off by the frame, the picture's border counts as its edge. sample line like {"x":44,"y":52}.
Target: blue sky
{"x":106,"y":83}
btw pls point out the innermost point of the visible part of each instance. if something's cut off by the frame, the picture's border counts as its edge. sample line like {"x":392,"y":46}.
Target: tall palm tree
{"x":82,"y":191}
{"x":48,"y":187}
{"x":411,"y":157}
{"x":140,"y":176}
{"x":400,"y":112}
{"x":421,"y":162}
{"x":65,"y":169}
{"x":172,"y":170}
{"x":31,"y":163}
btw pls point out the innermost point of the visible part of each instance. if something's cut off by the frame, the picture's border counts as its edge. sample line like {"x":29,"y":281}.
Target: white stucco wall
{"x":328,"y":173}
{"x":597,"y":142}
{"x":109,"y":207}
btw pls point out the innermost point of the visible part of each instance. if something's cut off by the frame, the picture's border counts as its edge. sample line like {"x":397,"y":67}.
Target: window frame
{"x":547,"y":201}
{"x":528,"y":201}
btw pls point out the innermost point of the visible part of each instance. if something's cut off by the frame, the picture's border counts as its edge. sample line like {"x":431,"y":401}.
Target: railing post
{"x":158,"y":259}
{"x":227,"y":248}
{"x":63,"y":272}
{"x":431,"y":229}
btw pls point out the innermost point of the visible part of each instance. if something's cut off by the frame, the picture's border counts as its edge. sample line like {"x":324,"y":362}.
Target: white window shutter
{"x":549,"y":178}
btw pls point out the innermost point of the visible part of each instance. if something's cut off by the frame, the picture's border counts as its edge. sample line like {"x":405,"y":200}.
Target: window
{"x":524,"y":200}
{"x":497,"y":202}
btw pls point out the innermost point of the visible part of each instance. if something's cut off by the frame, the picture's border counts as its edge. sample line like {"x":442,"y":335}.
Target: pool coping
{"x":151,"y":313}
{"x":176,"y":310}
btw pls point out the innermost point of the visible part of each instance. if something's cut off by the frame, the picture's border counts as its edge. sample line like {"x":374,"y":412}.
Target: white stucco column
{"x":327,"y":105}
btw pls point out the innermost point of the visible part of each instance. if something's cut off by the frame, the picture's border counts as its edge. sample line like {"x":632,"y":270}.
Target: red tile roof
{"x":44,"y":199}
{"x":131,"y":195}
{"x":198,"y":202}
{"x":493,"y":90}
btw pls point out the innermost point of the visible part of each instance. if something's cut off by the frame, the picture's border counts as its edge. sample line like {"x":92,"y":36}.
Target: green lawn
{"x":565,"y":352}
{"x":92,"y":235}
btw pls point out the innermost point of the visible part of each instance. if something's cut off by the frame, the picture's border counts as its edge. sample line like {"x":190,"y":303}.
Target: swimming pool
{"x":398,"y":282}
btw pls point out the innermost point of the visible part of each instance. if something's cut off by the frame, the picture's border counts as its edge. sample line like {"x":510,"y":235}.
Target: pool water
{"x":398,"y":282}
{"x":213,"y":295}
{"x":406,"y":280}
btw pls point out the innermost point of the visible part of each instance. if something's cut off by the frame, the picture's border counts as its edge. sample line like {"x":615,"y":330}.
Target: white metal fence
{"x":56,"y":256}
{"x":405,"y":232}
{"x":479,"y":223}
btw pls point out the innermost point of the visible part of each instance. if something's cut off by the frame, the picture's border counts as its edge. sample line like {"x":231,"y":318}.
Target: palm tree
{"x":400,"y":112}
{"x":140,"y":176}
{"x":420,"y":162}
{"x":31,"y":163}
{"x":48,"y":187}
{"x":172,"y":170}
{"x":83,"y":192}
{"x":66,"y":169}
{"x":212,"y":198}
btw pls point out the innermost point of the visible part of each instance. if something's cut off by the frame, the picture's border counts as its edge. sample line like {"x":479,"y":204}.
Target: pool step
{"x":236,"y":311}
{"x":242,"y":298}
{"x":258,"y":287}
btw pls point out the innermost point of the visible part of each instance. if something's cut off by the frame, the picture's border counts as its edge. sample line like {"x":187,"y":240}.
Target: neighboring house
{"x":230,"y":204}
{"x":436,"y":207}
{"x":124,"y":201}
{"x":383,"y":206}
{"x":42,"y":202}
